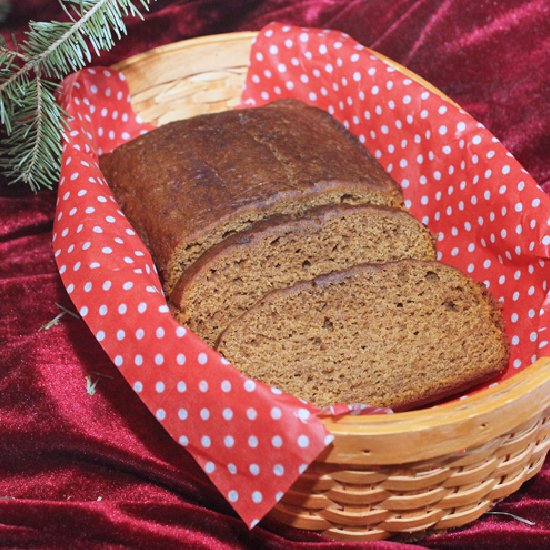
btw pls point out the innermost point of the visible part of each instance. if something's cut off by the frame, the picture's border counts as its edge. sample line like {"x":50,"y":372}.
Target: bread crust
{"x":185,"y":180}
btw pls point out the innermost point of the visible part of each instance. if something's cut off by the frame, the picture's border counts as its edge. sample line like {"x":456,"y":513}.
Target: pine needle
{"x":102,"y":375}
{"x":513,"y":516}
{"x":90,"y":386}
{"x":67,"y":311}
{"x":55,"y":321}
{"x":33,"y":121}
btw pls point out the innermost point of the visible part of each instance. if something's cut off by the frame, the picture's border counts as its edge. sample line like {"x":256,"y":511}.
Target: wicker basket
{"x":426,"y":470}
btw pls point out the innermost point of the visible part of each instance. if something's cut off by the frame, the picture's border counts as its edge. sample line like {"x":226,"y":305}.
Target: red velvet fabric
{"x":87,"y":471}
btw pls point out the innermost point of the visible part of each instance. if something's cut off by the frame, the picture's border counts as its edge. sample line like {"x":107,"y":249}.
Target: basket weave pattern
{"x":188,"y":78}
{"x":371,"y":503}
{"x":426,"y":470}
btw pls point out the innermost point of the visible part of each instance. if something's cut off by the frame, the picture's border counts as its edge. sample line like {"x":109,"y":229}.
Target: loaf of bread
{"x":399,"y":334}
{"x":187,"y":185}
{"x":282,"y":250}
{"x":281,"y":241}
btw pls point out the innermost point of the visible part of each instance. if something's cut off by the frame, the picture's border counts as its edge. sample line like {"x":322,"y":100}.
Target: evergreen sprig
{"x":33,"y":122}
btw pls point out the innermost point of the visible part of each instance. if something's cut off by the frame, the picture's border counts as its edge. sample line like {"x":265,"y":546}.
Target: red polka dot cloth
{"x":492,"y":221}
{"x":253,"y":440}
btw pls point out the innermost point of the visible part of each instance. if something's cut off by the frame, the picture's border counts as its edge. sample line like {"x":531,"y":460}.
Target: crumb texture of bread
{"x":394,"y":334}
{"x":282,"y":250}
{"x":187,"y":185}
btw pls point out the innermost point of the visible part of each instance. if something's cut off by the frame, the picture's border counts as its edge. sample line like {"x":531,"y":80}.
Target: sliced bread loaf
{"x":186,"y":185}
{"x":398,"y":334}
{"x":282,"y":250}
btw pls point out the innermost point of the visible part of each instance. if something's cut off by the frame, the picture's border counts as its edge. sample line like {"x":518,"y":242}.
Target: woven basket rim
{"x":450,"y":427}
{"x":189,"y":43}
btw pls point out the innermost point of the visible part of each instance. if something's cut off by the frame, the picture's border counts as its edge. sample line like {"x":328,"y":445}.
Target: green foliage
{"x":33,"y":121}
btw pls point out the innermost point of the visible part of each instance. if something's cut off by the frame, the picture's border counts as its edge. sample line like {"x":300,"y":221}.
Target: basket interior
{"x":206,"y":75}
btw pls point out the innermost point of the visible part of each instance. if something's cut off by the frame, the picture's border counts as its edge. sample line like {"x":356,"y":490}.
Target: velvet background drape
{"x":97,"y":471}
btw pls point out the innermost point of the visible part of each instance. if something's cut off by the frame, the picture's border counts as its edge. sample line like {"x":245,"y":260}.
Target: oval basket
{"x":413,"y":472}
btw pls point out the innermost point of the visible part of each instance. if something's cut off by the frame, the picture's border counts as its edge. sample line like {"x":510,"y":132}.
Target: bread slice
{"x":187,"y":185}
{"x":398,"y":334}
{"x":281,"y":250}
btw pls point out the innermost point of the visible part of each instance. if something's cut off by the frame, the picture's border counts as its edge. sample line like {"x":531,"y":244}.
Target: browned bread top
{"x":186,"y":184}
{"x":398,"y":334}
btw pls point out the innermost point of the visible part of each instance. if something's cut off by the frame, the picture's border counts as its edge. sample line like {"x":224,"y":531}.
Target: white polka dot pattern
{"x":202,"y":401}
{"x":490,"y":218}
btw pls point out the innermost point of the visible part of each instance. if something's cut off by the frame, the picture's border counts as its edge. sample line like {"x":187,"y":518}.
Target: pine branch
{"x":55,"y":321}
{"x":32,"y":150}
{"x":33,"y":121}
{"x":4,"y":50}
